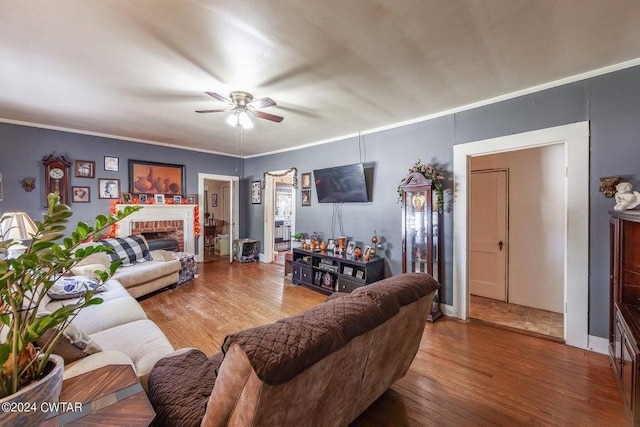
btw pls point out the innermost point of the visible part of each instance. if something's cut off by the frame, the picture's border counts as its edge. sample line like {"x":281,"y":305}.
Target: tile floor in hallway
{"x":517,"y":316}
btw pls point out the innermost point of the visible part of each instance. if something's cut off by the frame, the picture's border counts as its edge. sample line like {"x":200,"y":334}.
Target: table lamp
{"x":17,"y":226}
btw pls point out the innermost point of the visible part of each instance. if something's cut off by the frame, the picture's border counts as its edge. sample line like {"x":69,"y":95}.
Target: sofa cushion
{"x":130,"y":249}
{"x":88,"y":270}
{"x":280,"y":351}
{"x":72,"y":345}
{"x":109,"y":314}
{"x":142,"y":273}
{"x":141,"y":340}
{"x":180,"y":386}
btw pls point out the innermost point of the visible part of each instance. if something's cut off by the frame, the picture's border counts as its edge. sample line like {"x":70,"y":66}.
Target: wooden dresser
{"x":624,"y":320}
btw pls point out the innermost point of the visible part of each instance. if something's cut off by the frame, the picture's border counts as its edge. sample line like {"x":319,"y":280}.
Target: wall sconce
{"x":29,"y":184}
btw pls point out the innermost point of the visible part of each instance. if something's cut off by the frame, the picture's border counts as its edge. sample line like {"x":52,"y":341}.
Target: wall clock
{"x":56,"y":177}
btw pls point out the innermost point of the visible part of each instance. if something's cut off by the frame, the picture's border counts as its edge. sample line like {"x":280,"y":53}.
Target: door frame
{"x":506,"y":223}
{"x":269,"y":217}
{"x":575,"y":138}
{"x":234,"y":203}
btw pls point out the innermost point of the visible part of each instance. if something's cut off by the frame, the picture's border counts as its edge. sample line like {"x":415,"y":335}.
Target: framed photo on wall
{"x":156,"y":178}
{"x":306,"y":180}
{"x":256,"y":193}
{"x":214,"y":200}
{"x":108,"y":188}
{"x":80,"y":194}
{"x":84,"y":169}
{"x":111,"y":164}
{"x":306,"y":197}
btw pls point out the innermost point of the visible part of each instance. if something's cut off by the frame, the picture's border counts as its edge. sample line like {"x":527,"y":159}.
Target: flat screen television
{"x":341,"y":184}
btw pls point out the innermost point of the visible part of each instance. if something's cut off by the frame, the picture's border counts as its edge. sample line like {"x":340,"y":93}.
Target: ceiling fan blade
{"x":219,"y":97}
{"x":263,"y":103}
{"x":218,"y":110}
{"x":268,"y":116}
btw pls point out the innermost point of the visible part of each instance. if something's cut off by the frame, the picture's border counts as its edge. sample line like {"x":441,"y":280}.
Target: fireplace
{"x":161,"y":222}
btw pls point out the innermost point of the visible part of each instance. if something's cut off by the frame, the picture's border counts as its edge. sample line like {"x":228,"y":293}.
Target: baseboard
{"x":448,"y":310}
{"x":598,"y":344}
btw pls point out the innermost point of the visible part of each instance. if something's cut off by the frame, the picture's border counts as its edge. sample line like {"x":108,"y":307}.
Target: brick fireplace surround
{"x":161,"y":222}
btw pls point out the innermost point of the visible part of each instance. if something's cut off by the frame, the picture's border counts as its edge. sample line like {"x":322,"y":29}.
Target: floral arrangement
{"x":429,"y":172}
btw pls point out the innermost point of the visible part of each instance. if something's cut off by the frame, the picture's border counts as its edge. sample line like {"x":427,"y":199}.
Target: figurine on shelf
{"x":374,"y":241}
{"x":625,"y":197}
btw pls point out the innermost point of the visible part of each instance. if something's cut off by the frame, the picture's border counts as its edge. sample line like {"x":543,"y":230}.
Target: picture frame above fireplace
{"x":156,"y":178}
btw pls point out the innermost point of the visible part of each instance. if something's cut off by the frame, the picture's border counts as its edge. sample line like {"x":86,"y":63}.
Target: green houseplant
{"x":24,"y":282}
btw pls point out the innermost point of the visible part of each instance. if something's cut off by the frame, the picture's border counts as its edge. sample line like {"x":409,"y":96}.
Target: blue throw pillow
{"x":73,"y":287}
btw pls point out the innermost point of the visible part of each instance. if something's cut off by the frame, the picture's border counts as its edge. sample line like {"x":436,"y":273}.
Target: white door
{"x":488,"y":231}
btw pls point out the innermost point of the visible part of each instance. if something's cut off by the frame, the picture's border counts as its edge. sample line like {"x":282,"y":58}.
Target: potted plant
{"x":24,"y":282}
{"x":298,"y":237}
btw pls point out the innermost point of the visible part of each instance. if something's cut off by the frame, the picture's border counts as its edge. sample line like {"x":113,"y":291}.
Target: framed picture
{"x":306,"y":180}
{"x":350,"y":247}
{"x":108,"y":188}
{"x":331,"y":244}
{"x":367,"y":250}
{"x":348,"y":271}
{"x":214,"y":200}
{"x":159,"y":198}
{"x":256,"y":193}
{"x":80,"y":194}
{"x":359,"y":274}
{"x":177,"y":200}
{"x":111,"y":164}
{"x":127,"y":198}
{"x":156,"y":178}
{"x":192,"y":199}
{"x":84,"y":169}
{"x":142,"y":199}
{"x":306,"y":197}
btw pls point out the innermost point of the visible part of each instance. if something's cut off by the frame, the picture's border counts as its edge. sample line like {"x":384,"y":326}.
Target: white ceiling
{"x":138,"y":69}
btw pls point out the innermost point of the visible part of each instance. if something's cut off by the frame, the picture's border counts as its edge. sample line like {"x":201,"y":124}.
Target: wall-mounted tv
{"x":341,"y":184}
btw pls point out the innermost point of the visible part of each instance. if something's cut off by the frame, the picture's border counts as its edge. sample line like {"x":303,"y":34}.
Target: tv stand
{"x":327,"y":272}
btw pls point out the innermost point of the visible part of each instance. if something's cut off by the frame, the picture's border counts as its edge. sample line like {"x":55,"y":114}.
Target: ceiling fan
{"x":240,"y":103}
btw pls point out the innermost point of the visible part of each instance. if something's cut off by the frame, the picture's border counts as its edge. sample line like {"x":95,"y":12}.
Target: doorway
{"x":279,"y":214}
{"x":574,"y":139}
{"x":218,"y":205}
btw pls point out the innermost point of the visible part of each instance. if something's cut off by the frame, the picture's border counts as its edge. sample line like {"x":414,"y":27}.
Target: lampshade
{"x":17,"y":226}
{"x":241,"y":119}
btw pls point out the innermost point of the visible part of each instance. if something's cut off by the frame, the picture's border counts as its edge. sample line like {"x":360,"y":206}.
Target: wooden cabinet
{"x":327,"y":272}
{"x":421,"y":236}
{"x":624,"y":320}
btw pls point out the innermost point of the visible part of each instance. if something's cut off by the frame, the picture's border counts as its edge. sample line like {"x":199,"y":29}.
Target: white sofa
{"x":121,"y":328}
{"x":139,"y":279}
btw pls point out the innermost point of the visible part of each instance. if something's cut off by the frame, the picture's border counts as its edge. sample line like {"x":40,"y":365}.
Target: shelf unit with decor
{"x":624,"y":310}
{"x":327,"y":272}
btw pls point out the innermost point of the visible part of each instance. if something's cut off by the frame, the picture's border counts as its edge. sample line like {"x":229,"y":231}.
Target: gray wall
{"x":22,"y":149}
{"x":610,"y":102}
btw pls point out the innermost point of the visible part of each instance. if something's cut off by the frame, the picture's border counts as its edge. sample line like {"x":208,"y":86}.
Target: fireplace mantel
{"x":182,"y":213}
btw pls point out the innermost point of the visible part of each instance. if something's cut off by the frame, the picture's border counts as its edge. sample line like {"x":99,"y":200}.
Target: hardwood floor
{"x":465,"y":374}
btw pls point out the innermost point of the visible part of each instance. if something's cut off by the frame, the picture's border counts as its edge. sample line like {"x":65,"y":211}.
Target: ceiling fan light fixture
{"x":240,"y":119}
{"x":244,"y":120}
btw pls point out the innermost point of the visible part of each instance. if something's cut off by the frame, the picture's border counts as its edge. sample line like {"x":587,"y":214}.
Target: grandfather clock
{"x":56,"y":177}
{"x":421,"y":233}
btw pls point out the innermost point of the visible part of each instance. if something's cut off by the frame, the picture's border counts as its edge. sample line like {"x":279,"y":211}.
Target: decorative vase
{"x":34,"y":395}
{"x":142,"y":185}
